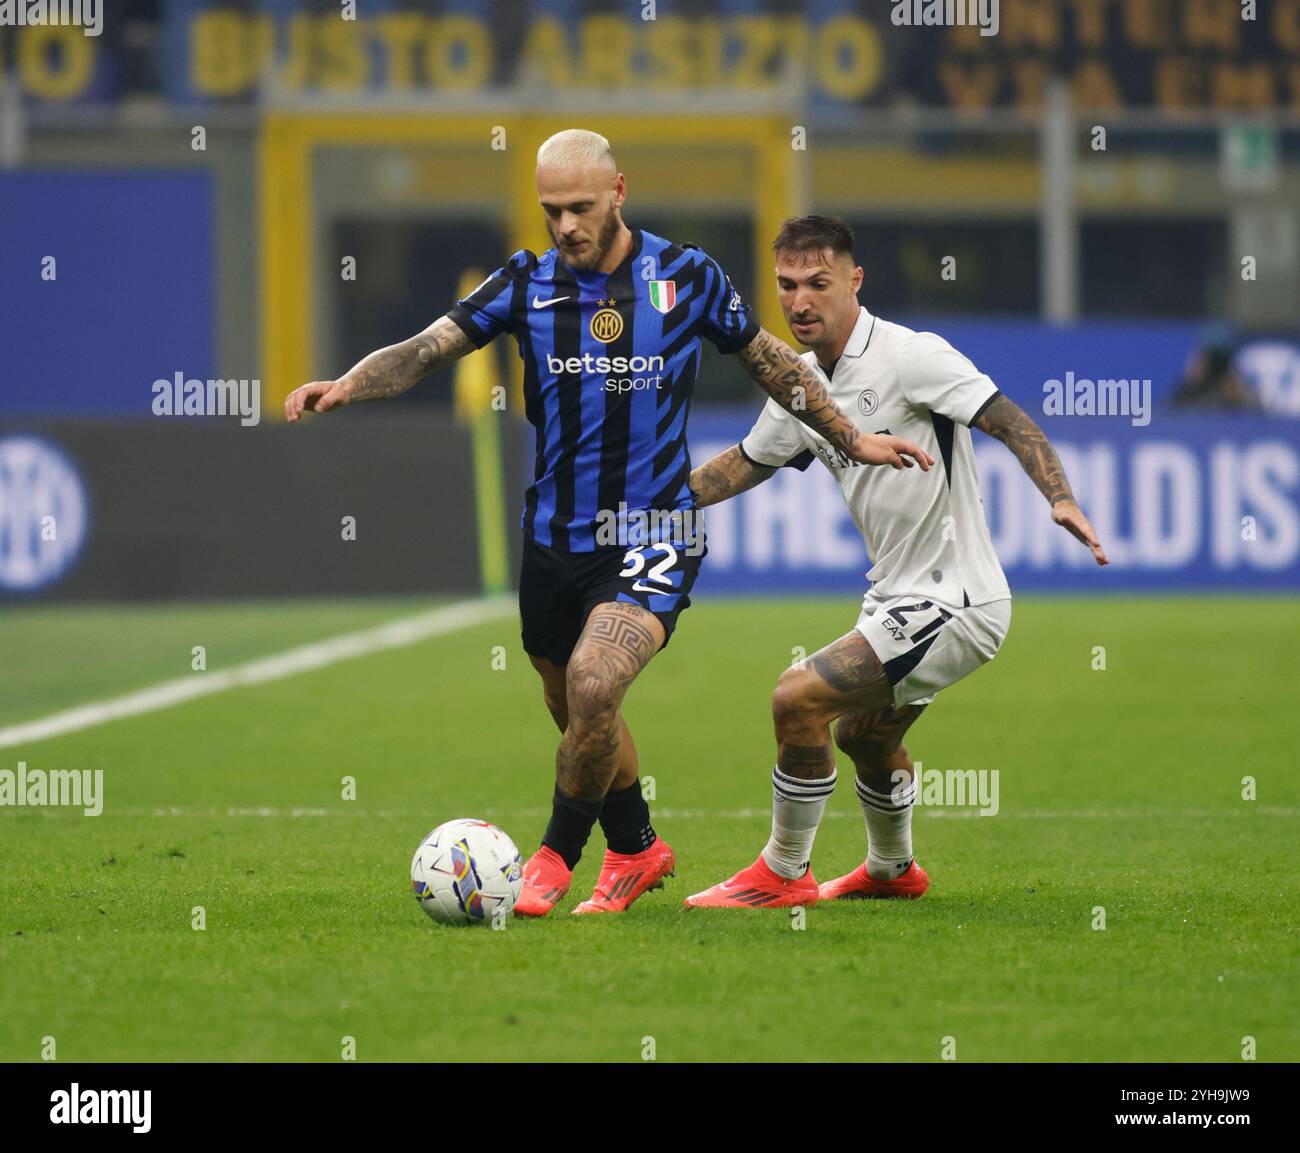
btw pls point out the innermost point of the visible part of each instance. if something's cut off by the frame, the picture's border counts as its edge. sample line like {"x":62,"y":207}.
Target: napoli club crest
{"x":663,"y":295}
{"x":867,"y":402}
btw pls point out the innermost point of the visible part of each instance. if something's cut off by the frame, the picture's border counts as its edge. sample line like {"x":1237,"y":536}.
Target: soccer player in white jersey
{"x":938,"y":606}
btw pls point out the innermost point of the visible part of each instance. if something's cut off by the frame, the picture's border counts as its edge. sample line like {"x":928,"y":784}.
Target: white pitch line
{"x":1251,"y":810}
{"x":1288,"y":812}
{"x":306,"y":658}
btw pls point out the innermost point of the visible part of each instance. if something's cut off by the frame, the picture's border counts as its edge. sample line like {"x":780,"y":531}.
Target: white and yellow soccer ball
{"x":466,"y":872}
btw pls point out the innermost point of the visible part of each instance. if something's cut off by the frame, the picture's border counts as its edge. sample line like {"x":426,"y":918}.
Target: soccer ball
{"x":464,"y":871}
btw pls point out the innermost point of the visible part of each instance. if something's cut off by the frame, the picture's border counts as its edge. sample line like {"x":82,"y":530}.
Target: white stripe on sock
{"x":797,"y":808}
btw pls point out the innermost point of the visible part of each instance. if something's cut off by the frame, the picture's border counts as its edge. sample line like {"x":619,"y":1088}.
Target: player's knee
{"x":592,"y":696}
{"x":793,"y":702}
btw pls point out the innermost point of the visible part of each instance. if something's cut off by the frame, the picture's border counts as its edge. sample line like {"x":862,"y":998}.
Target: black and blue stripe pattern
{"x":600,"y":446}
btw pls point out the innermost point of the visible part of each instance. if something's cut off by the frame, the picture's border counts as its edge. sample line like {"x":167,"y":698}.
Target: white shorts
{"x":926,"y":647}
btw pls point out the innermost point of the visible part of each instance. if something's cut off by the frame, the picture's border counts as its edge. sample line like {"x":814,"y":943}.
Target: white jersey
{"x":925,"y":532}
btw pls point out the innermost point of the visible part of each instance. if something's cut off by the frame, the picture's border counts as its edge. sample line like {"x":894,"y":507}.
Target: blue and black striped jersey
{"x":609,"y":366}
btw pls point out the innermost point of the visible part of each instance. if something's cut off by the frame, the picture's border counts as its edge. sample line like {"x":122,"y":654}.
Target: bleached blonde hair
{"x":574,"y":147}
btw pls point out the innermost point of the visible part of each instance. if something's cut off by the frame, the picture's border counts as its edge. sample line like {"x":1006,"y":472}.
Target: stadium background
{"x":405,"y":141}
{"x":264,"y":191}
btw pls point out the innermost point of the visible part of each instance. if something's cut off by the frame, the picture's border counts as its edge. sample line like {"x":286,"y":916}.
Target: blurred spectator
{"x":1210,"y":379}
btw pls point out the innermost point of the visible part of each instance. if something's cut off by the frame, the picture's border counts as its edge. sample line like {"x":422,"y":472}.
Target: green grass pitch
{"x":1119,"y":788}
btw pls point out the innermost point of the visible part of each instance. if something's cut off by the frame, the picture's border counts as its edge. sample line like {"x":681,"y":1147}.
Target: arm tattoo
{"x":776,"y":368}
{"x":726,"y":475}
{"x":1009,"y":423}
{"x":391,"y":371}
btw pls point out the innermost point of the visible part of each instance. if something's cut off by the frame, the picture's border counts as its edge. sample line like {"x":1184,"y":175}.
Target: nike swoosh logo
{"x":547,"y":303}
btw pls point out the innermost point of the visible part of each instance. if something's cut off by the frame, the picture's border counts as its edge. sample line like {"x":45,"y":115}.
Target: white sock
{"x":889,"y":829}
{"x":797,"y":808}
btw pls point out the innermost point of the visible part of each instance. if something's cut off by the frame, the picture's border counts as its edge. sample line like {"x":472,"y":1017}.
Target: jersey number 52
{"x":634,"y":563}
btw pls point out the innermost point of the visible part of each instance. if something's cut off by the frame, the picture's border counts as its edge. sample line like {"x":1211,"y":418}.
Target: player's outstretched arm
{"x":1014,"y":427}
{"x":780,"y":372}
{"x":726,"y":475}
{"x":387,"y":372}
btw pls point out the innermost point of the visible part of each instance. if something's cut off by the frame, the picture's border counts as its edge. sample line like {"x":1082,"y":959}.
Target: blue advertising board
{"x":1185,"y":503}
{"x":107,"y":284}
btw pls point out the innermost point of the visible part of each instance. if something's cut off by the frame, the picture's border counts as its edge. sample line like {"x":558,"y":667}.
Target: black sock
{"x":570,"y":826}
{"x":625,"y":819}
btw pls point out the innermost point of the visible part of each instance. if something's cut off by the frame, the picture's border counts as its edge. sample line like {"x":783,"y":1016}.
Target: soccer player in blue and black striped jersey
{"x":608,"y":324}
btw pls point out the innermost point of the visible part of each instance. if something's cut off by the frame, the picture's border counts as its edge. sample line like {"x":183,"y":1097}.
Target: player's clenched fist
{"x":319,"y":396}
{"x":881,"y":448}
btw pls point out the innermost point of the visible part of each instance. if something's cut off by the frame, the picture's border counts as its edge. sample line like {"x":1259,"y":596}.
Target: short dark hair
{"x":813,"y":234}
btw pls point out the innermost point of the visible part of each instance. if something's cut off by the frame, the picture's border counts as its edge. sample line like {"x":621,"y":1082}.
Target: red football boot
{"x":757,"y":888}
{"x":857,"y":885}
{"x":625,"y":876}
{"x":546,"y":879}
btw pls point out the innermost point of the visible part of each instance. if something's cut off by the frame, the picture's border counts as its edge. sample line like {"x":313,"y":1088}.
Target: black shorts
{"x":557,"y":590}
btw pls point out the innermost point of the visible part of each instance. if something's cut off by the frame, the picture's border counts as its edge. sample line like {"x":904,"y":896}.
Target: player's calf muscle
{"x":558,"y":707}
{"x":873,"y":740}
{"x":863,"y":745}
{"x":588,"y":759}
{"x":885,"y":771}
{"x":807,"y":762}
{"x":553,"y":690}
{"x":595,"y":754}
{"x":629,"y":765}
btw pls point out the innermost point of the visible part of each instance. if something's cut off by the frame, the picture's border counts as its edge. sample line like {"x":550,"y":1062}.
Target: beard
{"x":596,"y":250}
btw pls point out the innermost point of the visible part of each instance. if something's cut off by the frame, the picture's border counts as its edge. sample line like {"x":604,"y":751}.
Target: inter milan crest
{"x":663,"y":295}
{"x":607,"y":324}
